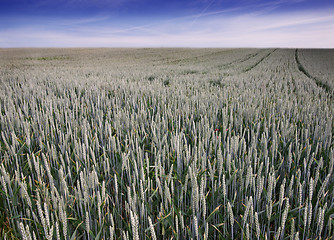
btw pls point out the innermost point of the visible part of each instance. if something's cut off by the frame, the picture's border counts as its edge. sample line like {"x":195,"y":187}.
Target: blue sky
{"x":168,"y":23}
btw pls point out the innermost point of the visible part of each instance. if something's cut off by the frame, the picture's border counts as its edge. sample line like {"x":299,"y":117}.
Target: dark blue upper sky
{"x":196,"y":23}
{"x":147,"y":8}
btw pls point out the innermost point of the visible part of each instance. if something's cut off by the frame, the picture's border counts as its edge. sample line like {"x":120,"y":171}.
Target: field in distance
{"x":166,"y":143}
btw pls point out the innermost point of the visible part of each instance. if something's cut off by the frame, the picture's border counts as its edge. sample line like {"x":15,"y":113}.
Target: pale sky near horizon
{"x":173,"y":23}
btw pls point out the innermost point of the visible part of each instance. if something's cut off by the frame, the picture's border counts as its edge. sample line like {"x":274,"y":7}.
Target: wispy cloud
{"x":223,"y":28}
{"x":202,"y":12}
{"x":79,"y":21}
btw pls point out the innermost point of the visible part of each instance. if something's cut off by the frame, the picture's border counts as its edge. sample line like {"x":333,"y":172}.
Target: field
{"x":166,"y":144}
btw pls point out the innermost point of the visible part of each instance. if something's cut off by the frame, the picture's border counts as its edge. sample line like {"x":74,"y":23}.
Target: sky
{"x":167,"y":23}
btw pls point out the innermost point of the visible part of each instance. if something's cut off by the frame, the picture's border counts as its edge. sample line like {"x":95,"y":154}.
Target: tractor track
{"x":197,"y":59}
{"x":319,"y":83}
{"x":240,"y":60}
{"x":258,"y":62}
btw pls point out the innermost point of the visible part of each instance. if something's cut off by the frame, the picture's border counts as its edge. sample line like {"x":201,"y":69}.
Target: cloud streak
{"x":307,"y":29}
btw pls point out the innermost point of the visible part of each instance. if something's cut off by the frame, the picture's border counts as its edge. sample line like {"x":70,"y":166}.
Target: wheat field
{"x":166,"y":144}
